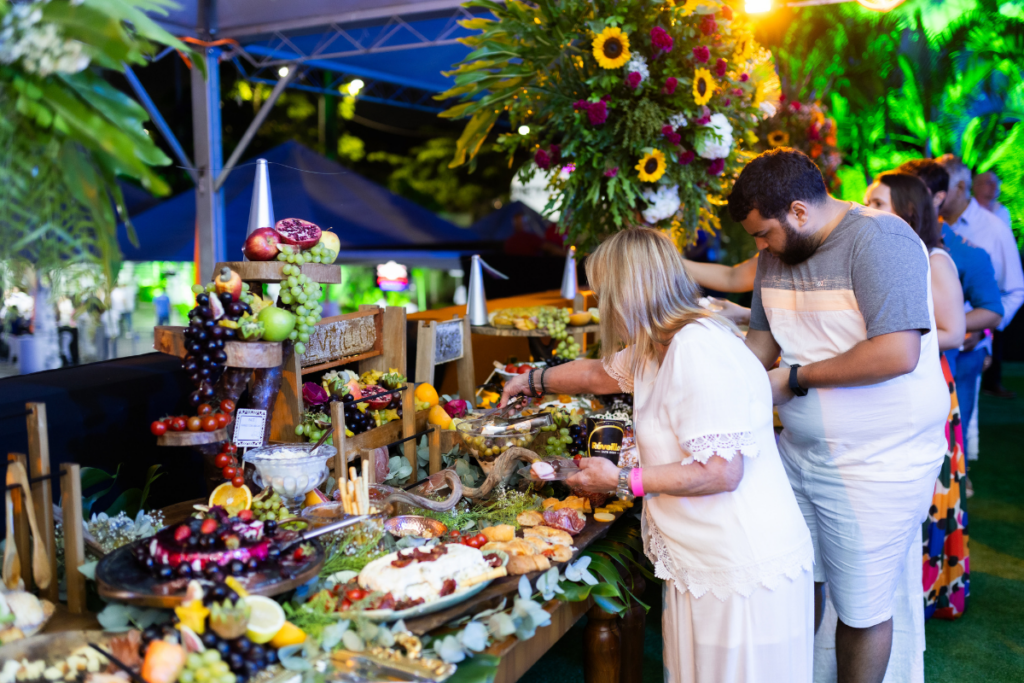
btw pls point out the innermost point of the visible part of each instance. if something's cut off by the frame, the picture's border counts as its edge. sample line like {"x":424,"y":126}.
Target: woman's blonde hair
{"x":644,"y":294}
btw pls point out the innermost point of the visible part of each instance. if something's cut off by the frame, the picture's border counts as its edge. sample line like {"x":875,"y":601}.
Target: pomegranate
{"x":302,"y":234}
{"x":261,"y":245}
{"x":376,"y":403}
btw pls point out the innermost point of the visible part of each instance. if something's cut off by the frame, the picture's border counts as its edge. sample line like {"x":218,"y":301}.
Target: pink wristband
{"x":636,"y":481}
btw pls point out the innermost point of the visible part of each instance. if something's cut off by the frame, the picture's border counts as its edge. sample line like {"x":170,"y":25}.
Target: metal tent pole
{"x":206,"y":133}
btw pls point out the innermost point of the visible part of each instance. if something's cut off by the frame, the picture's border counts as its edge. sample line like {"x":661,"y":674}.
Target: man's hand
{"x":520,"y":384}
{"x":597,"y":474}
{"x":779,"y":379}
{"x":972,"y":340}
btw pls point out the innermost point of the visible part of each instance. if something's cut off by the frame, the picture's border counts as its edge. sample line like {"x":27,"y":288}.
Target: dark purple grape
{"x":220,"y":356}
{"x":225,"y":298}
{"x":210,"y":639}
{"x":193,"y":347}
{"x":189,"y":365}
{"x":253,"y":564}
{"x":165,"y":572}
{"x":184,"y":570}
{"x":250,"y":669}
{"x":241,"y":645}
{"x":235,"y":310}
{"x":206,"y":390}
{"x":203,"y":299}
{"x":230,"y":334}
{"x":206,"y":312}
{"x":237,"y":567}
{"x":204,"y":360}
{"x":195,"y":325}
{"x":255,"y":653}
{"x":203,"y":373}
{"x":217,"y":343}
{"x":194,"y":399}
{"x":208,"y":323}
{"x":271,"y":656}
{"x":235,"y":660}
{"x":223,"y":648}
{"x":217,"y":332}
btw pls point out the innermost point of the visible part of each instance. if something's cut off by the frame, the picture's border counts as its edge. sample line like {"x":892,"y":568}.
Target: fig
{"x":262,"y":245}
{"x":298,"y":232}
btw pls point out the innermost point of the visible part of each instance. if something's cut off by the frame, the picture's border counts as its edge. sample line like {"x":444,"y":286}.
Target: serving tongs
{"x":307,"y":536}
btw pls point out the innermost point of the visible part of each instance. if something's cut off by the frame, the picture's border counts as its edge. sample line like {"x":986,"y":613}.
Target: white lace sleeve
{"x":712,"y":414}
{"x":724,"y":445}
{"x":619,"y":368}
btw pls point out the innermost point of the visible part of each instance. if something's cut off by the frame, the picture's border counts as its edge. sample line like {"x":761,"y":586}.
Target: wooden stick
{"x":409,"y":425}
{"x":74,"y":546}
{"x":338,"y":423}
{"x":434,"y":448}
{"x":42,"y":491}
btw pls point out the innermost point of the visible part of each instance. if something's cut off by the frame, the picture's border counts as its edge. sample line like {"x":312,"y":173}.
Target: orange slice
{"x":231,"y":499}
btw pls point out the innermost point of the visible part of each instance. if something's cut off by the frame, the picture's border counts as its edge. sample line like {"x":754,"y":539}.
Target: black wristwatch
{"x":794,"y":384}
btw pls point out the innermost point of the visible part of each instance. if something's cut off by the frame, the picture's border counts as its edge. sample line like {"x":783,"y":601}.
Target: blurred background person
{"x":986,"y":190}
{"x":162,"y":304}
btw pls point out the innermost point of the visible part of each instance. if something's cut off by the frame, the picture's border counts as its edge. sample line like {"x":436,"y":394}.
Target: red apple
{"x":262,"y":245}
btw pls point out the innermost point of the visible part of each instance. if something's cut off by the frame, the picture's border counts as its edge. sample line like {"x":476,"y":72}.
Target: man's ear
{"x":799,"y":212}
{"x":938,"y":198}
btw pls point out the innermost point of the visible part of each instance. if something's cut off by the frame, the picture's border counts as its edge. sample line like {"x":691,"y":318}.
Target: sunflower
{"x":744,"y":50}
{"x":778,"y":138}
{"x":703,"y":86}
{"x":611,"y":48}
{"x":686,"y":9}
{"x":651,"y":167}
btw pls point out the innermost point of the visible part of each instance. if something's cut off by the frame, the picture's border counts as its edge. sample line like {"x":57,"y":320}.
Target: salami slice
{"x":566,"y":519}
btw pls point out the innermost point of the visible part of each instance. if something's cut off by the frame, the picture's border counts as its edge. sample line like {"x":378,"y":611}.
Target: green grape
{"x":226,"y":678}
{"x":286,"y":298}
{"x":292,"y":281}
{"x":303,"y":337}
{"x":211,"y":287}
{"x":293,"y":335}
{"x":316,"y":259}
{"x":211,"y":657}
{"x":197,"y":289}
{"x":281,"y":256}
{"x":302,"y":298}
{"x":194,"y":661}
{"x":300,"y":348}
{"x":303,"y":327}
{"x":187,"y":676}
{"x":299,"y":429}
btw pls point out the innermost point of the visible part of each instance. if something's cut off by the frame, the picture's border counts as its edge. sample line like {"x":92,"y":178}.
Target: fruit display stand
{"x":491,"y":343}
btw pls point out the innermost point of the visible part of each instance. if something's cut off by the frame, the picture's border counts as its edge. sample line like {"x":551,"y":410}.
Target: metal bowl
{"x":415,"y":525}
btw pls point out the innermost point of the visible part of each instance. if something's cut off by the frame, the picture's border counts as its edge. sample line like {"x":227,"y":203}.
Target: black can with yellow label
{"x":604,"y":438}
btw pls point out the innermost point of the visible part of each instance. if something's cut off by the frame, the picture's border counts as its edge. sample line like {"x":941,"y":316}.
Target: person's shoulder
{"x":706,"y":332}
{"x":872,"y":222}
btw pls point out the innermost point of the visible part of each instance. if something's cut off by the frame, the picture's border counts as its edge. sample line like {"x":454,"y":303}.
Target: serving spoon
{"x":40,"y":563}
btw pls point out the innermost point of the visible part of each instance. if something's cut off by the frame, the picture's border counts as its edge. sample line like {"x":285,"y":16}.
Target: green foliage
{"x":67,"y":134}
{"x":129,"y":501}
{"x":536,"y":64}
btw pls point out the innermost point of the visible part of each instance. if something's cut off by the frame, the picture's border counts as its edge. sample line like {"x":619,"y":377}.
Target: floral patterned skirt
{"x":946,"y":560}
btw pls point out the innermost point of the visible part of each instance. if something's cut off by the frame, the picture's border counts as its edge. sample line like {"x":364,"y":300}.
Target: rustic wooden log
{"x":241,"y":354}
{"x":270,"y":271}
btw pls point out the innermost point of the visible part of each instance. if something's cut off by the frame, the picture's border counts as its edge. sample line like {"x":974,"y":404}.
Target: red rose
{"x":795,"y":106}
{"x":633,"y":80}
{"x":670,"y":85}
{"x":721,"y":66}
{"x":611,"y":172}
{"x":598,"y":113}
{"x":686,"y":158}
{"x":541,"y":158}
{"x":716,"y":167}
{"x":744,"y":77}
{"x":661,"y":40}
{"x":702,"y":54}
{"x":708,"y":25}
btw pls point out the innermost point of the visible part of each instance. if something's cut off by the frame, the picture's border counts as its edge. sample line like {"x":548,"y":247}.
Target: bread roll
{"x":549,"y":535}
{"x":523,"y":564}
{"x":500,"y":533}
{"x":519,"y":546}
{"x":561,"y":553}
{"x":530,"y":518}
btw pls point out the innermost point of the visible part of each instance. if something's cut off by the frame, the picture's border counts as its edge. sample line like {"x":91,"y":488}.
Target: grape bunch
{"x":557,"y":442}
{"x":578,"y":432}
{"x":206,"y":667}
{"x":356,"y":421}
{"x":300,"y":294}
{"x":267,"y":507}
{"x":212,"y":323}
{"x":554,"y":321}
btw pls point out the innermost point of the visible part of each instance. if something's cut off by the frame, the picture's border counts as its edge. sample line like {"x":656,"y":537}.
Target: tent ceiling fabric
{"x":370,"y":221}
{"x":241,"y":19}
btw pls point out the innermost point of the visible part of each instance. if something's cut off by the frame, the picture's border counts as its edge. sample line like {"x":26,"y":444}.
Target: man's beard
{"x":799,"y":247}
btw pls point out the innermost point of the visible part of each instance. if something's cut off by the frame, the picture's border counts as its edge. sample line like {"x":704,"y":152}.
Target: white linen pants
{"x":767,"y":637}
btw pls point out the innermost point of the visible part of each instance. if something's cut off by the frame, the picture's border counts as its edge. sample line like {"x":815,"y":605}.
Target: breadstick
{"x":366,"y":495}
{"x":486,"y":576}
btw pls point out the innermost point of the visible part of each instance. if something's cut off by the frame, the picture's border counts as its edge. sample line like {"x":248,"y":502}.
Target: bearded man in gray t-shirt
{"x":843,"y":293}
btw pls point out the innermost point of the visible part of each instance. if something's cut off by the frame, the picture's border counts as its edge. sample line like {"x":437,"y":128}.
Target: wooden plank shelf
{"x":192,"y":438}
{"x":241,"y":354}
{"x":270,"y":271}
{"x":491,"y":331}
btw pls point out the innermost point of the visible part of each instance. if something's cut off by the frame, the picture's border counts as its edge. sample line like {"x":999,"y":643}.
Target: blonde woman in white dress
{"x":720,"y":522}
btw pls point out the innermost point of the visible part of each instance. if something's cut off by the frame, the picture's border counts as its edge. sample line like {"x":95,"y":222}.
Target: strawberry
{"x":182,"y":533}
{"x":245,"y":515}
{"x":209,"y":526}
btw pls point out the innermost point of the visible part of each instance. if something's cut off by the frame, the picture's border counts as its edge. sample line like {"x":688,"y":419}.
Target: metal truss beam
{"x":159,"y":122}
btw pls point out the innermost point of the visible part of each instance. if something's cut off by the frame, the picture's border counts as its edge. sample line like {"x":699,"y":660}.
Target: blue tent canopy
{"x":498,"y":226}
{"x":371,"y":221}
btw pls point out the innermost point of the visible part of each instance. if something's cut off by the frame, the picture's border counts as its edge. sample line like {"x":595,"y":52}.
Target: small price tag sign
{"x":249,"y":426}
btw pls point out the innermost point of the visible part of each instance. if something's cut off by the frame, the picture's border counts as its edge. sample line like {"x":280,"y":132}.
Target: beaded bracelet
{"x":529,"y":377}
{"x":543,"y":388}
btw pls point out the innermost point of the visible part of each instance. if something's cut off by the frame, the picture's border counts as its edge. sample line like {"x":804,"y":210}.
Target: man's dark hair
{"x":930,"y":171}
{"x":773,"y":181}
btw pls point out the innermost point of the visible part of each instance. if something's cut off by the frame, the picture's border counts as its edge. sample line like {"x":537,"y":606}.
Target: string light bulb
{"x":282,"y":72}
{"x":524,"y":130}
{"x":355,"y":86}
{"x":758,"y":6}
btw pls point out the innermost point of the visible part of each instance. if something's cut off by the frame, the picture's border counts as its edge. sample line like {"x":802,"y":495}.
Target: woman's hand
{"x":739,"y":315}
{"x":519,"y":384}
{"x":597,"y":474}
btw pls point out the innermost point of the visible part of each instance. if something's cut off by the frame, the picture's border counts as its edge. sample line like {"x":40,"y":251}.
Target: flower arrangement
{"x":806,"y":127}
{"x":637,"y":112}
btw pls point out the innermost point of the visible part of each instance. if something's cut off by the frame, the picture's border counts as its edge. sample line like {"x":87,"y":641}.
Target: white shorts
{"x":862,"y":531}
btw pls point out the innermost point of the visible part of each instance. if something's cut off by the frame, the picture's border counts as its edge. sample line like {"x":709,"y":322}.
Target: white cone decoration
{"x":261,"y":209}
{"x":569,"y":275}
{"x":476,"y":304}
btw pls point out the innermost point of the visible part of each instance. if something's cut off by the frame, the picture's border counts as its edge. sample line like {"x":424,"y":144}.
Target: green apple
{"x":329,"y":240}
{"x":277,"y":323}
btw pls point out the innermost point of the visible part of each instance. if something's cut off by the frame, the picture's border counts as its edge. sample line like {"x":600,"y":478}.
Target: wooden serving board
{"x":491,"y":331}
{"x":270,"y":271}
{"x":119,"y":576}
{"x":507,"y":585}
{"x":192,"y":438}
{"x":241,"y":354}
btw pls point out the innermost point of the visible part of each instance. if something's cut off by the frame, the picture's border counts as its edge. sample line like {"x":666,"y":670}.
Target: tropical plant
{"x":67,"y":134}
{"x":634,"y":111}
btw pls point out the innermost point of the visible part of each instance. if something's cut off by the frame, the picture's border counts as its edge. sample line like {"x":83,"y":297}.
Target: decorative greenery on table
{"x":67,"y":134}
{"x":637,"y":111}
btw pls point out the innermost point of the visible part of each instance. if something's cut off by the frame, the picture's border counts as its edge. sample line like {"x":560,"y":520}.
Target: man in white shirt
{"x":968,"y":219}
{"x":986,"y":191}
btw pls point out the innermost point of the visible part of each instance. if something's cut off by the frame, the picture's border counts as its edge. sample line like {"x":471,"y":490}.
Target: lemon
{"x":290,"y":634}
{"x":438,"y":417}
{"x":266,"y":619}
{"x":231,"y":499}
{"x":427,"y":394}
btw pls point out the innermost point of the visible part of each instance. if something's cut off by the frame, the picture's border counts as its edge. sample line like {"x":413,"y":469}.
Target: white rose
{"x":662,"y":203}
{"x":768,"y":109}
{"x":714,"y":141}
{"x":638,"y":64}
